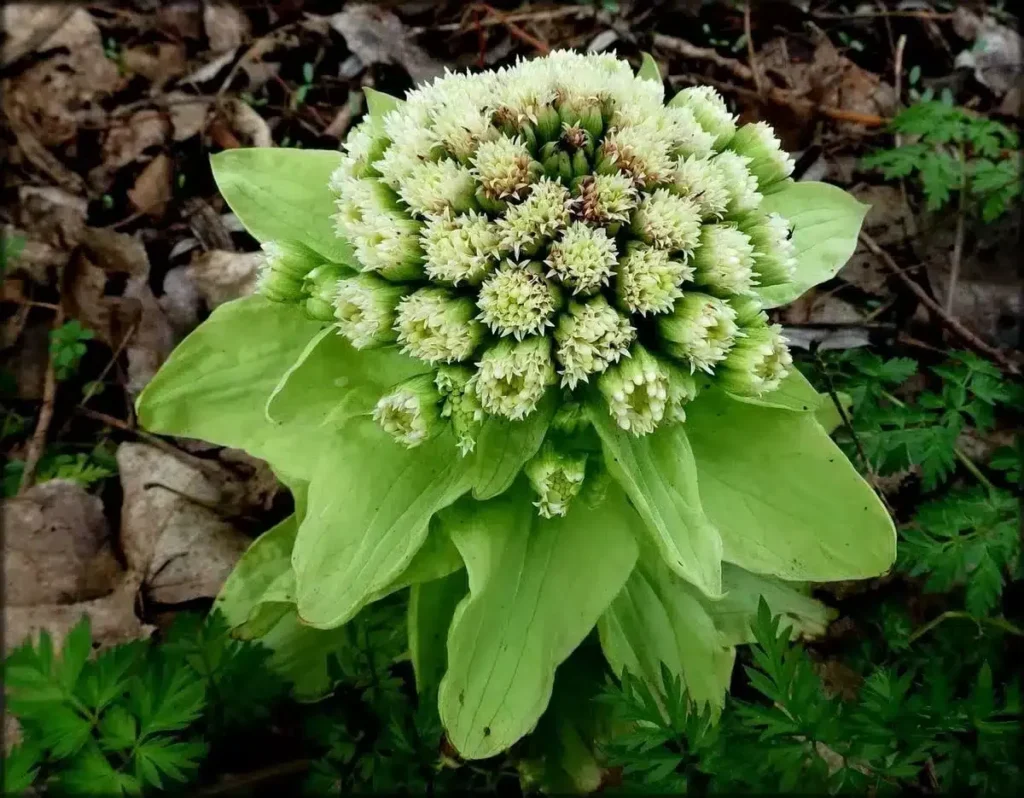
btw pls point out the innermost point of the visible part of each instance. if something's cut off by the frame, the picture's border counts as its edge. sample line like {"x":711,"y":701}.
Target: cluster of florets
{"x":554,"y":226}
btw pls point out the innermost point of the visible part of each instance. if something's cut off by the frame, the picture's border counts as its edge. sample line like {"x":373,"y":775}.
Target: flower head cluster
{"x":554,"y":226}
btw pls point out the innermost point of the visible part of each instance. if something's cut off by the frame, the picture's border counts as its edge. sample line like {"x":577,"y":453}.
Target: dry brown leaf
{"x":126,"y":142}
{"x":258,"y":485}
{"x":158,"y":62}
{"x":188,"y":117}
{"x":27,"y":361}
{"x":180,"y":301}
{"x":222,"y":276}
{"x":168,"y":531}
{"x":889,"y":222}
{"x":153,"y":190}
{"x":181,"y":19}
{"x":996,"y":55}
{"x":51,"y":222}
{"x":251,"y":127}
{"x":377,"y":36}
{"x":28,"y":26}
{"x":225,"y":25}
{"x":57,"y":547}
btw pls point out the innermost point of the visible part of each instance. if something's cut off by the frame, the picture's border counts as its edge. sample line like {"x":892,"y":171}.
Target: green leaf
{"x":828,"y":414}
{"x":379,"y":104}
{"x":658,"y":473}
{"x":793,"y":393}
{"x":784,"y":497}
{"x":503,"y":447}
{"x":370,"y":501}
{"x":216,"y":383}
{"x":660,"y":620}
{"x":283,"y":194}
{"x":734,"y":613}
{"x":118,"y":729}
{"x":157,"y":759}
{"x":826,"y":221}
{"x":21,"y":764}
{"x":648,"y":68}
{"x":536,"y":589}
{"x":431,"y":605}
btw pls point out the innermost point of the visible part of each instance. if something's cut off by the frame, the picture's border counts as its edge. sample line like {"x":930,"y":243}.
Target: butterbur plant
{"x":510,"y":351}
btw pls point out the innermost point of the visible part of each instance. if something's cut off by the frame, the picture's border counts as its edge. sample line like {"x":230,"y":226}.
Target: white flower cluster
{"x":555,"y":224}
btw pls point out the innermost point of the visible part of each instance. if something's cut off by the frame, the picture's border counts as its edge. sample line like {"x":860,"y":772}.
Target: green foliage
{"x":954,"y":150}
{"x":906,"y":718}
{"x":87,"y":469}
{"x":67,"y":347}
{"x":896,"y":435}
{"x":10,"y":248}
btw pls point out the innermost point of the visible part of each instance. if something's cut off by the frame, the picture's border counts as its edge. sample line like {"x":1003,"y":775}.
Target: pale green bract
{"x":548,"y":285}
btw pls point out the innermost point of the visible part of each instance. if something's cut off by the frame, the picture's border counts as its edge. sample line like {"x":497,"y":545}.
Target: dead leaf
{"x":126,"y":142}
{"x":51,"y":222}
{"x":996,"y":54}
{"x":188,"y":117}
{"x":112,"y":618}
{"x":377,"y":36}
{"x":211,"y":69}
{"x":168,"y":531}
{"x":222,"y":276}
{"x":27,"y":361}
{"x":245,"y":121}
{"x":180,"y":301}
{"x":57,"y":547}
{"x":158,"y":62}
{"x":225,"y":25}
{"x":889,"y":222}
{"x":258,"y":485}
{"x":28,"y":26}
{"x":181,"y":19}
{"x":153,"y":190}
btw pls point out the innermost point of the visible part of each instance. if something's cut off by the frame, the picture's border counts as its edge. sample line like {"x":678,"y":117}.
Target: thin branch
{"x":245,"y":782}
{"x":958,"y":240}
{"x":751,"y":58}
{"x":948,"y":321}
{"x":37,"y":445}
{"x":539,"y":15}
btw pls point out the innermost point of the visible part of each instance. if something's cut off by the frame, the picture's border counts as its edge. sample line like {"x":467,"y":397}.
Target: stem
{"x":958,"y":242}
{"x":998,"y":623}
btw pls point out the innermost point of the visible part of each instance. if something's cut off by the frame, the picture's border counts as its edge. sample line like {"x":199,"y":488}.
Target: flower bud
{"x":570,"y":418}
{"x":688,"y":137}
{"x":682,"y":389}
{"x":667,"y":221}
{"x":527,"y":226}
{"x":548,"y":124}
{"x":459,"y":249}
{"x":410,"y":413}
{"x":460,"y":405}
{"x":741,"y":184}
{"x":558,"y":166}
{"x":583,"y":115}
{"x":505,"y":168}
{"x":321,"y":287}
{"x":699,"y":179}
{"x":774,"y":252}
{"x":433,"y":188}
{"x":556,"y":477}
{"x":364,"y":306}
{"x":284,"y":270}
{"x":749,"y":312}
{"x":710,"y":111}
{"x":700,"y":330}
{"x":768,"y":161}
{"x":436,"y":326}
{"x":365,"y":145}
{"x":636,"y":391}
{"x":580,"y":164}
{"x":591,"y":336}
{"x":757,"y":363}
{"x":724,"y":261}
{"x":517,"y":300}
{"x":640,"y":150}
{"x":576,"y":139}
{"x":583,"y":258}
{"x":604,"y":199}
{"x":512,"y":377}
{"x":648,"y":280}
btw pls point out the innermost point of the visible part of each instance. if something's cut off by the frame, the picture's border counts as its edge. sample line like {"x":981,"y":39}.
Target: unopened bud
{"x":636,"y":391}
{"x":528,"y":226}
{"x":411,"y":412}
{"x":433,"y":188}
{"x":668,"y":221}
{"x":548,"y":124}
{"x":700,"y":330}
{"x":768,"y":161}
{"x":365,"y":309}
{"x":460,"y":405}
{"x":740,"y":182}
{"x":518,"y":300}
{"x":556,"y":477}
{"x":505,"y":168}
{"x":757,"y":363}
{"x":749,"y":312}
{"x":604,"y":199}
{"x":459,"y":249}
{"x":724,"y":261}
{"x":437,"y":326}
{"x":682,"y":389}
{"x":774,"y":251}
{"x":699,"y":179}
{"x":591,"y":336}
{"x":284,"y":270}
{"x":710,"y":111}
{"x":513,"y":376}
{"x":321,"y":287}
{"x":649,"y":280}
{"x":582,"y":258}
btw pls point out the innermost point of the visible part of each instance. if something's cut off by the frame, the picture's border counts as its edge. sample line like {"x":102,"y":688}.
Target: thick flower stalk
{"x":520,"y":328}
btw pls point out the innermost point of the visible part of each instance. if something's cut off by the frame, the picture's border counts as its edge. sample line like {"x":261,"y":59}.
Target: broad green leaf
{"x":658,"y":473}
{"x":300,"y":653}
{"x":216,"y":382}
{"x":659,"y":618}
{"x":283,"y":194}
{"x":794,"y":393}
{"x":536,"y":589}
{"x":258,"y":573}
{"x":785,"y":499}
{"x":303,"y":357}
{"x":436,"y":559}
{"x":734,"y":613}
{"x":370,"y":502}
{"x":648,"y":68}
{"x":828,"y":414}
{"x":826,"y":221}
{"x":503,"y":447}
{"x":431,"y":605}
{"x":379,"y":103}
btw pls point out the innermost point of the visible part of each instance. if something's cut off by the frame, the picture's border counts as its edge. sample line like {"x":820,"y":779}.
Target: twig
{"x":873,"y":14}
{"x":37,"y":445}
{"x":210,"y":469}
{"x":249,"y":779}
{"x":541,"y":47}
{"x":998,"y":623}
{"x":958,"y":239}
{"x":951,"y":323}
{"x":520,"y":16}
{"x":751,"y":58}
{"x":771,"y":91}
